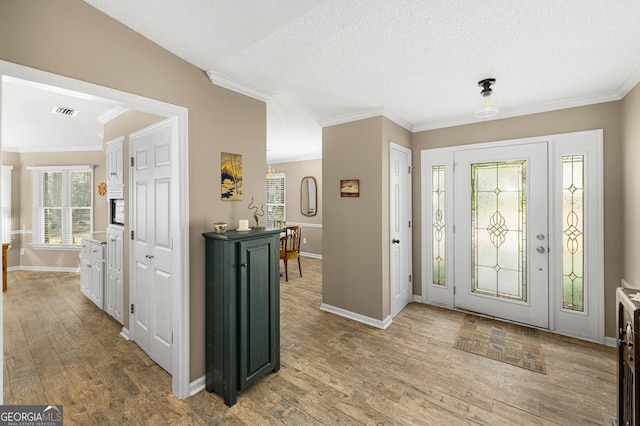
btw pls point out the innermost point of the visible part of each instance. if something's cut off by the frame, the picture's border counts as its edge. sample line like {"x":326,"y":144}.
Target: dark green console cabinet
{"x":242,"y":309}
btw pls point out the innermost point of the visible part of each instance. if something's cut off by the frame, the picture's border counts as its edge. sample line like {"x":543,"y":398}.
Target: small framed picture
{"x":350,"y":188}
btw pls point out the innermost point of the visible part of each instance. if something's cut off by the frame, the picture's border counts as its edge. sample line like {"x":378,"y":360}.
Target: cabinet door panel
{"x":256,"y":309}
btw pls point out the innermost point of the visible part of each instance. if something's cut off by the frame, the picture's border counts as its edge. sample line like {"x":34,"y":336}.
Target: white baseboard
{"x":312,"y":255}
{"x":357,"y":317}
{"x":43,"y":269}
{"x":197,"y":385}
{"x":125,"y":333}
{"x":418,"y":298}
{"x":611,"y":341}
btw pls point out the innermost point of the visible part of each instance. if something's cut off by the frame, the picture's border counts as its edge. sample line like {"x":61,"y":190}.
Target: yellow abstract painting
{"x":231,"y":176}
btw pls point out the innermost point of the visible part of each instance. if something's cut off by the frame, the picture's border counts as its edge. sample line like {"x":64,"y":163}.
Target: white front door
{"x":400,"y":228}
{"x":152,"y":243}
{"x":501,"y":232}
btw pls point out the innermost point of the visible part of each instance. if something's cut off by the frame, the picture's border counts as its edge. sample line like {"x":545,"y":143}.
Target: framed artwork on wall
{"x":231,"y":176}
{"x":350,"y":188}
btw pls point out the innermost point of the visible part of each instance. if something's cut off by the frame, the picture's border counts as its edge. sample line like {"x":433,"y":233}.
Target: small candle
{"x":243,"y":224}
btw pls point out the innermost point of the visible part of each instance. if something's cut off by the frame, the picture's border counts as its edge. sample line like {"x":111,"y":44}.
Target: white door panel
{"x":153,"y":248}
{"x":501,"y":236}
{"x":399,"y":229}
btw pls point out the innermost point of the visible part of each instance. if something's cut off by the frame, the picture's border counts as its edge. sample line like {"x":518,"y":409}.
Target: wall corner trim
{"x":357,"y":317}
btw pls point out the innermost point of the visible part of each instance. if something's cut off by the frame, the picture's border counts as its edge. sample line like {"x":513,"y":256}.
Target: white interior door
{"x":400,"y":228}
{"x":152,"y":243}
{"x":501,"y":232}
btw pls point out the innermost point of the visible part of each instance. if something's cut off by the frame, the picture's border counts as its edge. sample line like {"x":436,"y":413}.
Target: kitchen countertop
{"x":99,"y":237}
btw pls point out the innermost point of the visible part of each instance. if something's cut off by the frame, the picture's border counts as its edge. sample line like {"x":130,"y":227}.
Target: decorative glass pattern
{"x":498,"y":229}
{"x":438,"y":224}
{"x":573,"y":232}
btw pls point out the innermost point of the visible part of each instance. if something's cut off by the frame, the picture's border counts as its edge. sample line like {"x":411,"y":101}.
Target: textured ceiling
{"x":417,"y":61}
{"x":29,"y":126}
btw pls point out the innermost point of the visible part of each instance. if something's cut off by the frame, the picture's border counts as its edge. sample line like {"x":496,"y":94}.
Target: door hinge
{"x":132,"y":162}
{"x":409,"y":224}
{"x":409,"y":277}
{"x":409,"y":171}
{"x":132,"y":309}
{"x":133,"y":234}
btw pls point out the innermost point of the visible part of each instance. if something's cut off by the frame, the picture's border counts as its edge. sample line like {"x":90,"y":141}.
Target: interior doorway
{"x":180,"y":295}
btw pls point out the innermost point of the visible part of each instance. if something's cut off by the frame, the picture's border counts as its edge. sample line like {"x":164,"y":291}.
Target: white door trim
{"x":72,"y":87}
{"x":407,"y":151}
{"x":560,"y":321}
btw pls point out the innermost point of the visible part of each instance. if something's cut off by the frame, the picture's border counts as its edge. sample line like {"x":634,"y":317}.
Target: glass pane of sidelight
{"x":498,"y":229}
{"x":438,"y":224}
{"x":573,"y":232}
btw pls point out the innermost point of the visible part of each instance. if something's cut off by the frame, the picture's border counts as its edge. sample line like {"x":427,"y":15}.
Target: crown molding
{"x":367,"y":113}
{"x":630,"y":82}
{"x":111,"y":114}
{"x":238,"y":86}
{"x":534,"y":109}
{"x":42,"y":149}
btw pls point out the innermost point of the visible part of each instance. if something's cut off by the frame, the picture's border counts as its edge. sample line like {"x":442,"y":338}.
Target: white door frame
{"x":588,"y":325}
{"x":409,"y":261}
{"x":72,"y":87}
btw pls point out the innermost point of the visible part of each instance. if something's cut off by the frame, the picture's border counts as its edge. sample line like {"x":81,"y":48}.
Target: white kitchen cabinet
{"x":114,"y":285}
{"x":115,"y":168}
{"x":92,"y":268}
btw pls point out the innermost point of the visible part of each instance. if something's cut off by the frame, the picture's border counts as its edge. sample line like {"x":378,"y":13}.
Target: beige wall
{"x":70,"y":38}
{"x":601,"y":116}
{"x":13,"y":159}
{"x":355,"y":263}
{"x":631,"y":189}
{"x":123,"y":125}
{"x":295,"y":171}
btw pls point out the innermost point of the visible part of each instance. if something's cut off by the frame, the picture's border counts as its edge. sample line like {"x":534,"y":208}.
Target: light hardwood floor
{"x":61,"y":349}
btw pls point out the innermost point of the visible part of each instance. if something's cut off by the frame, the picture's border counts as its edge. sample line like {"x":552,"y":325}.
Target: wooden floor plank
{"x":59,"y":348}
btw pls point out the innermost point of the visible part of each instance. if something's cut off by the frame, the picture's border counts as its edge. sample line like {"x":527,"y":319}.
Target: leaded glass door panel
{"x":501,"y":246}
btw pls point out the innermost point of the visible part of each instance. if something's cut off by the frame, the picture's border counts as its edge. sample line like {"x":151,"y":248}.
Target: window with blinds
{"x":5,"y":200}
{"x":276,"y":199}
{"x":62,"y":205}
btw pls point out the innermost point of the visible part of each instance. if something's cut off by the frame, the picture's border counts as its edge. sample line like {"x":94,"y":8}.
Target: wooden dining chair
{"x":290,"y":248}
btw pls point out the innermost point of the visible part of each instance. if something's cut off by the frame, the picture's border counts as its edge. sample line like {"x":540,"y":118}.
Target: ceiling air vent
{"x":64,"y":111}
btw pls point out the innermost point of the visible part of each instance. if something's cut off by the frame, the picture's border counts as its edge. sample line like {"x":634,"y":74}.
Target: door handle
{"x":394,"y":241}
{"x":540,"y":249}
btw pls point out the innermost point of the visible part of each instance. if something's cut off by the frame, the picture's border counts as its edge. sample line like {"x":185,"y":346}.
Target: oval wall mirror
{"x":309,"y":196}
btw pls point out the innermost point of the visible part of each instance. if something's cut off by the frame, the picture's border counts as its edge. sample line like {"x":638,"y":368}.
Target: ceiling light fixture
{"x":486,"y":108}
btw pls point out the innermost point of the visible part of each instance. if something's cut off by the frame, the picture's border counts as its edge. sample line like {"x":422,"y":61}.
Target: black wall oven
{"x":116,"y":208}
